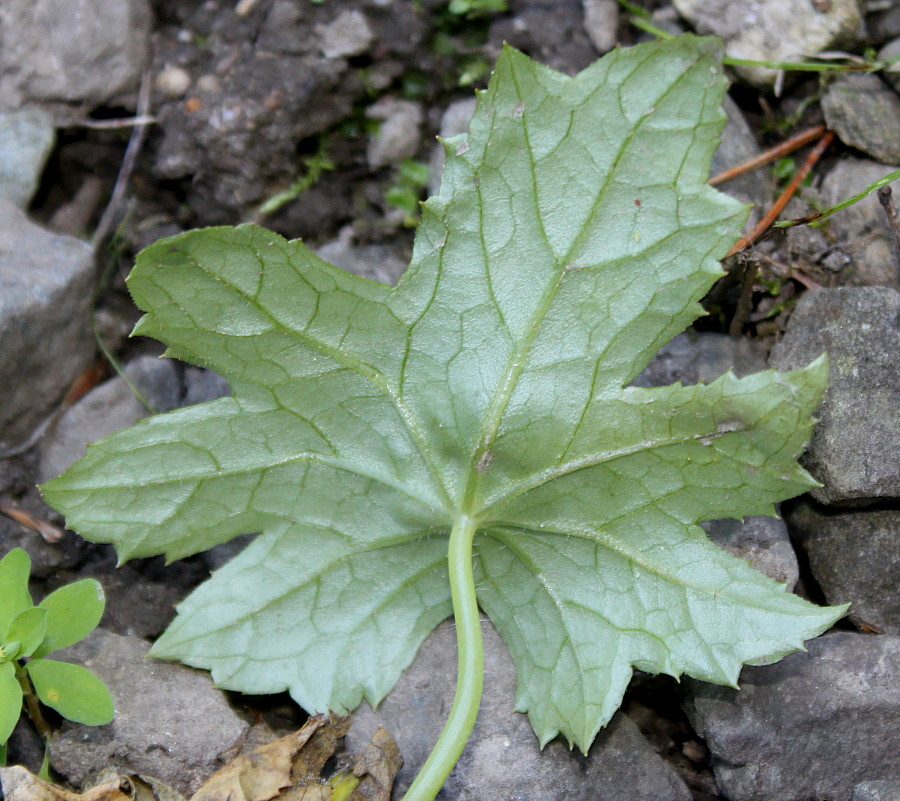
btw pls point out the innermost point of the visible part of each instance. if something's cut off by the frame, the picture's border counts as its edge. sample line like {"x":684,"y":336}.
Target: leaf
{"x":377,"y":767}
{"x":15,"y":568}
{"x":28,"y":630}
{"x":264,"y":773}
{"x":73,"y":612}
{"x":485,"y":395}
{"x":291,"y":768}
{"x":10,"y":700}
{"x":288,"y":769}
{"x":73,"y":691}
{"x":19,"y":784}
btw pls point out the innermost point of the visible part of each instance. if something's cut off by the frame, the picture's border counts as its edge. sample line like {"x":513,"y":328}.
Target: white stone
{"x":348,"y":34}
{"x":601,"y":21}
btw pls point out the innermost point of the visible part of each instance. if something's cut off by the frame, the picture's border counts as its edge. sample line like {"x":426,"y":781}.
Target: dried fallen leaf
{"x":376,"y":767}
{"x":288,"y":769}
{"x":18,"y":784}
{"x":261,"y":774}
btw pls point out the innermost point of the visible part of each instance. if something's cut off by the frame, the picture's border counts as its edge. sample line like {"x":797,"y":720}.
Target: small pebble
{"x":209,"y":84}
{"x":172,"y":82}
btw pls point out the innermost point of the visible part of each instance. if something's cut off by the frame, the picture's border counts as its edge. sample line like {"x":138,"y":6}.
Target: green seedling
{"x":476,"y":8}
{"x":28,"y":634}
{"x":405,"y":192}
{"x":469,"y":438}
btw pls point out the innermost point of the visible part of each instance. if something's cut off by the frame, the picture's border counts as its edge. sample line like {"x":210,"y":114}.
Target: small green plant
{"x":313,"y":167}
{"x":406,"y":190}
{"x":476,"y":8}
{"x":469,"y":438}
{"x":28,"y":634}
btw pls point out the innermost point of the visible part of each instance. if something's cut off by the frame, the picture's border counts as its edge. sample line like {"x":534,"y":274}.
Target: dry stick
{"x":135,"y":142}
{"x":116,"y":124}
{"x":768,"y":156}
{"x":886,"y":199}
{"x":766,"y":222}
{"x":32,"y":705}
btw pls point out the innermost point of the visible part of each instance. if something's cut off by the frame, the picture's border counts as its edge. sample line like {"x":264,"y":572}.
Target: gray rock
{"x":601,"y":23}
{"x":855,"y":444}
{"x":862,"y":229}
{"x":45,"y":304}
{"x":398,"y":134}
{"x":694,"y":358}
{"x":883,"y":24}
{"x":455,"y":120}
{"x":348,"y":34}
{"x":26,"y":139}
{"x":865,"y":114}
{"x":761,"y":541}
{"x":890,"y":51}
{"x":202,"y":386}
{"x":877,"y":791}
{"x":25,"y":748}
{"x":60,"y":52}
{"x":502,"y":759}
{"x":774,"y":30}
{"x":550,"y":31}
{"x":170,"y":723}
{"x":813,"y":725}
{"x":109,"y":408}
{"x":855,"y":557}
{"x":377,"y":262}
{"x":737,"y":146}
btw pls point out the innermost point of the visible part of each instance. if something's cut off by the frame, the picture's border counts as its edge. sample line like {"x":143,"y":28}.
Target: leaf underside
{"x":573,"y":236}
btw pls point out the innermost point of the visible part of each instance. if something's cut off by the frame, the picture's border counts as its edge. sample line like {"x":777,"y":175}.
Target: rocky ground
{"x":317,"y":119}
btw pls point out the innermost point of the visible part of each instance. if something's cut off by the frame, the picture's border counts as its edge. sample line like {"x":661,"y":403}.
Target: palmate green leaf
{"x":573,"y":236}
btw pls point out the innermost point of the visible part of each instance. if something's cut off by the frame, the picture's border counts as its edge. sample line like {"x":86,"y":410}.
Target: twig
{"x":805,"y":280}
{"x":32,"y":705}
{"x":48,"y":531}
{"x":821,"y":215}
{"x":766,"y":222}
{"x":135,"y":142}
{"x":886,"y":199}
{"x":768,"y":156}
{"x":126,"y":122}
{"x":782,"y":270}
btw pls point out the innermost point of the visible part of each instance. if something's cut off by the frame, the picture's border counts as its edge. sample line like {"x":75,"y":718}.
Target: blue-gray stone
{"x":26,"y":139}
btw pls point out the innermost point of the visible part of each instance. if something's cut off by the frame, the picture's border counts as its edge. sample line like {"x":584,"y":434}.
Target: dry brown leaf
{"x":261,"y":774}
{"x":18,"y":784}
{"x":376,"y":767}
{"x":309,"y":762}
{"x":288,"y":769}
